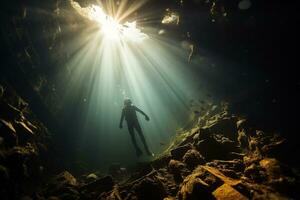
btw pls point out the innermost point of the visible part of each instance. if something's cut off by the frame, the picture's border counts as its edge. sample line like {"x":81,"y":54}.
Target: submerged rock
{"x":226,"y":192}
{"x":179,"y":152}
{"x":193,"y":188}
{"x":193,"y":158}
{"x":8,"y":133}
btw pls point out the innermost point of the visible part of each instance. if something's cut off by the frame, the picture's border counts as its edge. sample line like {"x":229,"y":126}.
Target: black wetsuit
{"x":129,"y":112}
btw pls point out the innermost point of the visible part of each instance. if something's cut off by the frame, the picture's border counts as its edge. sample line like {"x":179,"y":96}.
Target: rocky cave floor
{"x":221,"y":157}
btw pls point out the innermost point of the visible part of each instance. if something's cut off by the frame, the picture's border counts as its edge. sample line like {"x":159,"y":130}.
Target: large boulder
{"x":193,"y":158}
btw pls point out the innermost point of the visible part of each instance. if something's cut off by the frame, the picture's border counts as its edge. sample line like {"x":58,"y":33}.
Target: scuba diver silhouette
{"x":129,"y":112}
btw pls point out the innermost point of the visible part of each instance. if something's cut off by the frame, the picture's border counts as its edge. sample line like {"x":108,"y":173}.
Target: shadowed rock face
{"x":23,"y":147}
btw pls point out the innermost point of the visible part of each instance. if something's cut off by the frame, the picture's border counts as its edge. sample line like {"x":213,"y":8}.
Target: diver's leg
{"x":137,"y":149}
{"x":140,"y":132}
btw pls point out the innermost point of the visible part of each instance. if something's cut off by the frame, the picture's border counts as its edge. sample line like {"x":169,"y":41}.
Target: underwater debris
{"x":171,"y":18}
{"x":161,"y":32}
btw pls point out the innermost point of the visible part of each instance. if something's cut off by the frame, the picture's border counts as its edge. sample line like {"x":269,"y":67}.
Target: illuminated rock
{"x":226,"y":192}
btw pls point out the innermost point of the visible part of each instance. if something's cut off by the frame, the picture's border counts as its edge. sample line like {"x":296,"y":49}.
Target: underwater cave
{"x":149,"y":100}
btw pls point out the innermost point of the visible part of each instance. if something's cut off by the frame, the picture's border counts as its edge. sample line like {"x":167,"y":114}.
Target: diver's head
{"x":127,"y":102}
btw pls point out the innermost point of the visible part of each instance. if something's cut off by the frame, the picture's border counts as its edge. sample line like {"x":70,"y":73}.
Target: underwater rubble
{"x":24,"y":143}
{"x":221,"y":157}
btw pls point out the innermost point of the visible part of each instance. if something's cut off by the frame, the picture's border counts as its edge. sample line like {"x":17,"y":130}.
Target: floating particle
{"x":171,"y":18}
{"x":244,"y":4}
{"x":214,"y":107}
{"x":161,"y":32}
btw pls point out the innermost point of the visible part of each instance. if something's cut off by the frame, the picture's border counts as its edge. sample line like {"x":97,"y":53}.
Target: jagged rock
{"x":175,"y":167}
{"x":24,"y":133}
{"x":193,"y":188}
{"x":179,"y":152}
{"x":226,"y":127}
{"x":149,"y":189}
{"x":64,"y":178}
{"x":161,"y":161}
{"x":190,"y":138}
{"x":218,"y":174}
{"x":8,"y":133}
{"x":242,"y":139}
{"x":63,"y":186}
{"x":254,"y":172}
{"x":227,"y":144}
{"x":192,"y":158}
{"x":271,"y":167}
{"x":211,"y":149}
{"x":91,"y":177}
{"x":232,"y":168}
{"x":9,"y":112}
{"x":226,"y":192}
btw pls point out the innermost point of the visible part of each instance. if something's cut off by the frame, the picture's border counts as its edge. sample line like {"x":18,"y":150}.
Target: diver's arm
{"x":122,"y":118}
{"x":140,"y":111}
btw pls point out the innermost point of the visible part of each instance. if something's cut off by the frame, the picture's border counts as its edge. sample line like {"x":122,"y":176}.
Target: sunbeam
{"x":121,"y":61}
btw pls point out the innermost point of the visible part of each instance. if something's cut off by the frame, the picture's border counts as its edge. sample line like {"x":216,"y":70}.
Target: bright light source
{"x":110,"y":27}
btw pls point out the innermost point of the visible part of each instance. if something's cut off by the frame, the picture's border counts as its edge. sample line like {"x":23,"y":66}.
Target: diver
{"x":129,"y":112}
